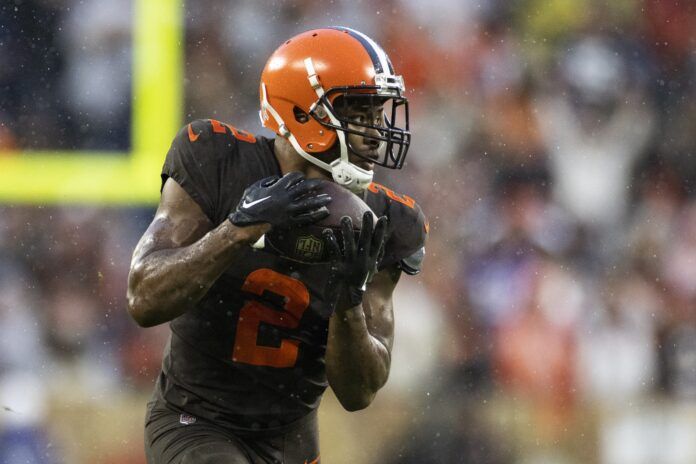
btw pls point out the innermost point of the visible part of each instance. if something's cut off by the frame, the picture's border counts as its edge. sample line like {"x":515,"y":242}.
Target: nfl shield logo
{"x":187,"y":419}
{"x":309,"y":248}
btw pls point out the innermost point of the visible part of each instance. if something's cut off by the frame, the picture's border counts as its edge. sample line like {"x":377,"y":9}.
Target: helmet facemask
{"x":390,"y":141}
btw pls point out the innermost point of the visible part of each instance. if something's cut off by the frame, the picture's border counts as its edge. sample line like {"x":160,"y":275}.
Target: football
{"x":306,"y":244}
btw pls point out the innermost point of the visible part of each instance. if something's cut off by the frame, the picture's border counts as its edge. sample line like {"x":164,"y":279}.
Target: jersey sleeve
{"x":405,"y":246}
{"x":407,"y":229}
{"x":193,"y":162}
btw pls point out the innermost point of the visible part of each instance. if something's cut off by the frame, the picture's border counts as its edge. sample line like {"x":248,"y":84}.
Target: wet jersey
{"x":250,"y":354}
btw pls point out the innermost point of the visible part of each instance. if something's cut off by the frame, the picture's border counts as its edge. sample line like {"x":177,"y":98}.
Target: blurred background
{"x":553,"y":152}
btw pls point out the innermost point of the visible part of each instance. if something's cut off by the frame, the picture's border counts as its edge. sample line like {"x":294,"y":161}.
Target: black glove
{"x":285,"y":201}
{"x":354,"y":266}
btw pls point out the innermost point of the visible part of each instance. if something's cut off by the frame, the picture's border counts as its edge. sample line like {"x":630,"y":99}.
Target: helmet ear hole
{"x":300,"y":115}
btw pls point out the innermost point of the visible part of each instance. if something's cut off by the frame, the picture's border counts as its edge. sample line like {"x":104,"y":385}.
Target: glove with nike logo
{"x":353,"y":266}
{"x":291,"y":200}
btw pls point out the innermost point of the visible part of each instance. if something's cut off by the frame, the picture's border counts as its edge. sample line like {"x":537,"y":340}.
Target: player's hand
{"x":282,"y":201}
{"x":354,"y":265}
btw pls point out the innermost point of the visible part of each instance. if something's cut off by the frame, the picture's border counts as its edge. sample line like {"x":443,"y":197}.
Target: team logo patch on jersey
{"x":187,"y":419}
{"x":309,"y":248}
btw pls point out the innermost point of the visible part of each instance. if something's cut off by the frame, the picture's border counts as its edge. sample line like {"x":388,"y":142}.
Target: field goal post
{"x":113,"y":178}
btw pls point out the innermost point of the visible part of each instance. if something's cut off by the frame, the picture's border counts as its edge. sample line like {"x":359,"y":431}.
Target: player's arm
{"x":360,"y":338}
{"x":358,"y":355}
{"x":181,"y":254}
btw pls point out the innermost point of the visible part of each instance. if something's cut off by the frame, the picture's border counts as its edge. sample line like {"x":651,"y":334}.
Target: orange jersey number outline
{"x":374,"y":187}
{"x":246,"y":350}
{"x":219,"y":128}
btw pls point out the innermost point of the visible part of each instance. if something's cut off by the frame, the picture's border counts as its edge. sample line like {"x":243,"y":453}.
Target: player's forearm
{"x":357,"y":364}
{"x":164,"y":284}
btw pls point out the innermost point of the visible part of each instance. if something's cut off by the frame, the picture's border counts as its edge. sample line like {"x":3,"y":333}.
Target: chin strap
{"x":351,"y":176}
{"x":342,"y":170}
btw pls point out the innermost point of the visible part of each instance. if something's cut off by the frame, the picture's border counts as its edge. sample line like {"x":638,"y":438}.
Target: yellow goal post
{"x":78,"y":177}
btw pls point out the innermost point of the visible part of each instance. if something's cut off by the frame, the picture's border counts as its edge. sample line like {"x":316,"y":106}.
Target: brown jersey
{"x":250,"y":354}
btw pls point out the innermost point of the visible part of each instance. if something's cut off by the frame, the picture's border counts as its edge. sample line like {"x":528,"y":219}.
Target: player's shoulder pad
{"x":204,"y":134}
{"x":407,"y":230}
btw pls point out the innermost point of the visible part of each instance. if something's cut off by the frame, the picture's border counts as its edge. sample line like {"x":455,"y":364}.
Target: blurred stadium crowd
{"x":554,"y":142}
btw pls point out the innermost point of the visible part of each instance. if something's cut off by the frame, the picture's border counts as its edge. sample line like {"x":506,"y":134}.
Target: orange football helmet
{"x":306,"y":75}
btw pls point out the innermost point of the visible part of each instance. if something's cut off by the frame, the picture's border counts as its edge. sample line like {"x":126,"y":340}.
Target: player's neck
{"x":289,"y":160}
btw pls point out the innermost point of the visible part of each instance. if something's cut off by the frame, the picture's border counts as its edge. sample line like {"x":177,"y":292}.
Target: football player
{"x":257,"y":338}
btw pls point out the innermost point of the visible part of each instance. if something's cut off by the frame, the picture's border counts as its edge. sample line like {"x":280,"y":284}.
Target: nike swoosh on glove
{"x":291,"y":200}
